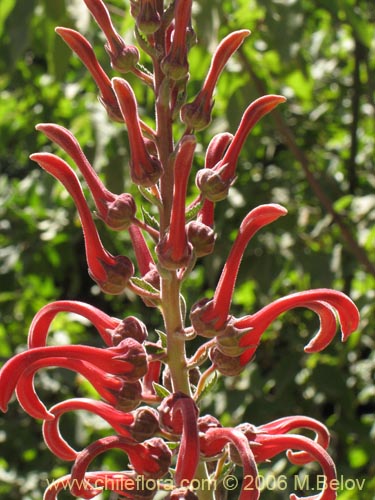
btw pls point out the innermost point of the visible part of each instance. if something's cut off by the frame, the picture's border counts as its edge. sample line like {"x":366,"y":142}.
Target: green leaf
{"x":162,"y":337}
{"x":210,"y":383}
{"x":143,"y":284}
{"x":192,"y":213}
{"x":150,"y":219}
{"x":160,"y":390}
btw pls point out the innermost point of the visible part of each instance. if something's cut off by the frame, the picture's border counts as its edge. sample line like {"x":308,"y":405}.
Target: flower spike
{"x":111,"y":273}
{"x":85,"y":52}
{"x":145,"y":170}
{"x":197,"y":114}
{"x":123,"y":57}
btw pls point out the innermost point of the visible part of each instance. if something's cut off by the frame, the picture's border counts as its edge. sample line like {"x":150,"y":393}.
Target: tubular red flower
{"x":214,"y":441}
{"x":107,"y":386}
{"x":152,"y":375}
{"x":42,"y":320}
{"x":112,"y":360}
{"x":322,"y":301}
{"x":85,"y":52}
{"x":287,"y":424}
{"x":175,"y":64}
{"x":123,"y":57}
{"x":111,"y":273}
{"x":117,"y":211}
{"x":143,"y":255}
{"x":273,"y":444}
{"x":188,"y":454}
{"x":174,"y":250}
{"x":252,"y":115}
{"x":66,"y":140}
{"x":51,"y":431}
{"x":197,"y":114}
{"x":151,"y":459}
{"x":145,"y":170}
{"x":217,"y":309}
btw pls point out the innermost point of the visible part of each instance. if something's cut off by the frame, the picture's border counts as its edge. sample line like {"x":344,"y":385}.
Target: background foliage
{"x":314,"y":155}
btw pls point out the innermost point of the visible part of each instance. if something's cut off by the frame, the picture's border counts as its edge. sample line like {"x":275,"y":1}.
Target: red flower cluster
{"x":160,"y":429}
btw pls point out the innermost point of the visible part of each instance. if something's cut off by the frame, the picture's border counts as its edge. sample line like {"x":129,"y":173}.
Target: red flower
{"x":174,"y":250}
{"x":214,"y":313}
{"x":128,"y":359}
{"x":197,"y":114}
{"x":117,"y":211}
{"x":322,"y":301}
{"x":178,"y":414}
{"x":111,"y":273}
{"x":145,"y":170}
{"x":38,"y":331}
{"x":85,"y":52}
{"x":119,"y":420}
{"x":175,"y":64}
{"x":123,"y":57}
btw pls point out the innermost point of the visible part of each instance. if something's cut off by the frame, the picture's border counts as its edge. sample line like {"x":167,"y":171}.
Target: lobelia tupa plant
{"x":149,"y":392}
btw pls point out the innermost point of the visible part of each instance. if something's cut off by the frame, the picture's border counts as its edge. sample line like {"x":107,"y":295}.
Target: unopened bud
{"x":211,"y":184}
{"x":130,"y":396}
{"x":120,"y":212}
{"x":125,"y":58}
{"x":136,"y":355}
{"x":145,"y":425}
{"x":117,"y":275}
{"x":202,"y":238}
{"x":226,"y":365}
{"x":148,"y":18}
{"x":197,"y":114}
{"x":129,"y":327}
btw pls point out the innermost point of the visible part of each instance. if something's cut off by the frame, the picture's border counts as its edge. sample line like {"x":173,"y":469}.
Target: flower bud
{"x":212,"y":186}
{"x":135,"y":355}
{"x":120,"y":212}
{"x":148,"y":18}
{"x":226,"y":365}
{"x":204,"y":328}
{"x":129,"y":327}
{"x":145,"y":425}
{"x":129,"y":396}
{"x":117,"y":275}
{"x":202,"y":238}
